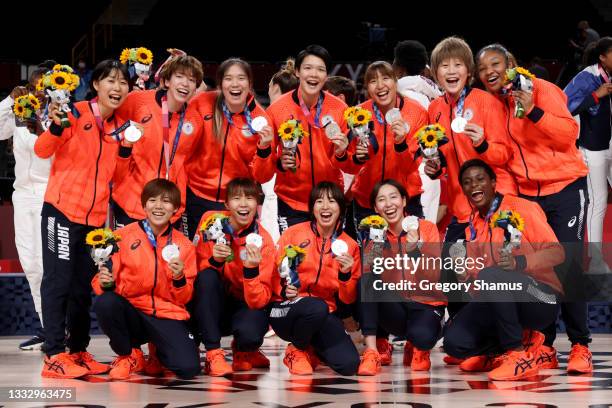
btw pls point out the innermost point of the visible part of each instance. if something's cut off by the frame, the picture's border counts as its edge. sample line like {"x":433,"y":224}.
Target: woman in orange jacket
{"x":550,"y":171}
{"x":415,"y":314}
{"x":232,"y":296}
{"x":172,"y":129}
{"x":316,"y":157}
{"x":76,"y":202}
{"x":144,"y":289}
{"x":388,"y":156}
{"x":510,"y":258}
{"x":475,"y":129}
{"x":319,"y":269}
{"x":234,"y":125}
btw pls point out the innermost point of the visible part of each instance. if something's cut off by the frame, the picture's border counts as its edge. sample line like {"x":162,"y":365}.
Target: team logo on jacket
{"x":468,"y":114}
{"x":187,"y":128}
{"x":208,"y":117}
{"x":135,"y":245}
{"x":88,"y":126}
{"x":246,"y":132}
{"x":146,"y":119}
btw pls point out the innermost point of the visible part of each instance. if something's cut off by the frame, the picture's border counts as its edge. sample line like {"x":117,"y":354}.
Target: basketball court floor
{"x":443,"y":386}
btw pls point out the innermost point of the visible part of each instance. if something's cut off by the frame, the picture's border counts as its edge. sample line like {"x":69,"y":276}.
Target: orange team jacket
{"x":148,"y":160}
{"x":483,"y":110}
{"x":214,"y":164}
{"x":144,"y":278}
{"x":319,"y":272}
{"x":391,"y":160}
{"x":539,"y":252}
{"x":429,"y":250}
{"x":83,"y":167}
{"x":316,"y":160}
{"x":545,"y":158}
{"x":252,"y":285}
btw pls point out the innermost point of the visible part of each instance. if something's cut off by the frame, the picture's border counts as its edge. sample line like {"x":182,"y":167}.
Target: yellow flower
{"x":39,"y":84}
{"x":95,"y":237}
{"x":430,"y":135}
{"x":125,"y":56}
{"x":74,"y":81}
{"x":144,"y":56}
{"x":60,"y":80}
{"x":524,"y":72}
{"x":517,"y":221}
{"x":361,"y":117}
{"x":210,"y":220}
{"x":34,"y":102}
{"x":19,"y":110}
{"x":286,"y":130}
{"x":374,"y":221}
{"x":349,"y":112}
{"x":57,"y":67}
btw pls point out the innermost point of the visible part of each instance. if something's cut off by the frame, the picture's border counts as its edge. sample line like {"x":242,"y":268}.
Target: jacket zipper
{"x":321,"y":260}
{"x":222,"y":161}
{"x":384,"y":158}
{"x":93,"y":201}
{"x":311,"y":156}
{"x":154,"y":284}
{"x":161,"y":155}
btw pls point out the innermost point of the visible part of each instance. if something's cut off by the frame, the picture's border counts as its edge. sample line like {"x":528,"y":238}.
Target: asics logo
{"x":572,"y":222}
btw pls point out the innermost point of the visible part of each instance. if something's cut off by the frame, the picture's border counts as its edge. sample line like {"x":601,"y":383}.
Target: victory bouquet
{"x":58,"y":84}
{"x":103,"y":243}
{"x":518,"y":79}
{"x":513,"y":225}
{"x":217,"y":228}
{"x":25,"y":107}
{"x":430,"y":138}
{"x":373,"y":227}
{"x":358,"y":120}
{"x":292,"y":257}
{"x":139,"y":61}
{"x":291,"y":134}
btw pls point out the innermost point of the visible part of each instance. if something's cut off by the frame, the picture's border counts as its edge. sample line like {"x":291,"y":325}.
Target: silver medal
{"x":392,"y":115}
{"x":132,"y":134}
{"x":254,"y":239}
{"x":170,"y":252}
{"x":259,"y":123}
{"x":339,"y":247}
{"x":458,"y":124}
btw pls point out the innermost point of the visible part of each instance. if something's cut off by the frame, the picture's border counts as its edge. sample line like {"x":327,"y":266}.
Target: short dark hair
{"x":604,"y":45}
{"x":331,"y":189}
{"x":411,"y":56}
{"x":337,"y":85}
{"x":159,"y":186}
{"x":476,"y":163}
{"x":317,"y":51}
{"x":246,"y":186}
{"x":388,"y":182}
{"x":105,"y":69}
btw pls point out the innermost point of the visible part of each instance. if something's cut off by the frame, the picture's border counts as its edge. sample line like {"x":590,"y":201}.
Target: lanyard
{"x":169,"y":155}
{"x":306,"y":111}
{"x":247,"y":115}
{"x":151,"y":236}
{"x":461,"y":102}
{"x":378,"y":114}
{"x":116,"y":134}
{"x":494,"y":207}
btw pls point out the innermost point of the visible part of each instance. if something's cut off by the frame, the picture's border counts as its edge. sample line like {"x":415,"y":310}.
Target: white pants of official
{"x":600,"y":175}
{"x":28,"y":240}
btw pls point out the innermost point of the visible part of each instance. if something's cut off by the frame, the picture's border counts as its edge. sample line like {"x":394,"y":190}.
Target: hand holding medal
{"x":398,"y":126}
{"x":171,"y":254}
{"x":251,"y":253}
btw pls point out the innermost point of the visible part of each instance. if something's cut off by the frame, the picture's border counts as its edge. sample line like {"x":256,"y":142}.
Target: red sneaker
{"x":480,"y":364}
{"x":215,"y":364}
{"x":516,"y":365}
{"x":153,"y":366}
{"x":385,"y":350}
{"x":258,"y":359}
{"x":124,"y":366}
{"x":85,"y":359}
{"x":580,"y":360}
{"x":408,"y":351}
{"x":370,"y":363}
{"x":532,"y":340}
{"x":546,"y":357}
{"x":297,"y":361}
{"x":450,"y":360}
{"x":420,"y":360}
{"x":62,"y":365}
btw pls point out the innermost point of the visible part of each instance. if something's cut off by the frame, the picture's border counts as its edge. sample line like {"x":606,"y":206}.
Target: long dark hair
{"x":223,"y":68}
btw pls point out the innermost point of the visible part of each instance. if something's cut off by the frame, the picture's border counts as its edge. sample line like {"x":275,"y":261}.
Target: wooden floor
{"x":443,"y":386}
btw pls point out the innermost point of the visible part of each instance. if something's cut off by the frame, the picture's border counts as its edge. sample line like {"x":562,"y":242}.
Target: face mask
{"x":82,"y":65}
